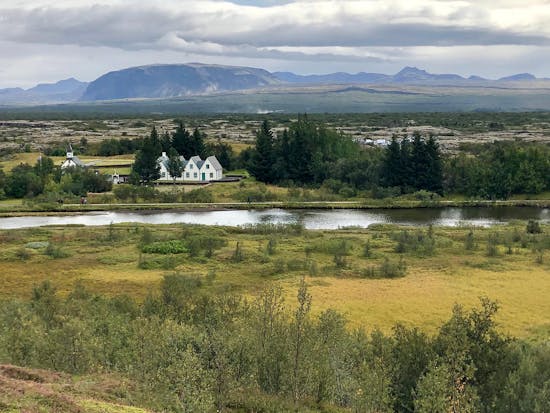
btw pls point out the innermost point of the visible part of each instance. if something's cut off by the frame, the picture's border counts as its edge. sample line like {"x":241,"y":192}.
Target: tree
{"x":181,"y":141}
{"x":264,"y":157}
{"x":391,"y":167}
{"x":23,"y":181}
{"x":175,"y":164}
{"x":166,"y":142}
{"x":434,"y":178}
{"x":145,"y":164}
{"x":419,"y":162}
{"x":196,"y":143}
{"x":299,"y":340}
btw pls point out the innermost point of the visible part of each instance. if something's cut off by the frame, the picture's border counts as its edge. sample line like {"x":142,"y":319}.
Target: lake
{"x":311,"y":219}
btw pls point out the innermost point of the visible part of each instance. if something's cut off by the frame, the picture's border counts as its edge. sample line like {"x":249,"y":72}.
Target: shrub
{"x":200,"y":195}
{"x":238,"y":254}
{"x":386,"y":269}
{"x":469,"y":241}
{"x":271,"y":246}
{"x":55,"y":251}
{"x":419,"y":242}
{"x":492,"y":245}
{"x":533,"y":227}
{"x":165,"y":247}
{"x":22,"y":254}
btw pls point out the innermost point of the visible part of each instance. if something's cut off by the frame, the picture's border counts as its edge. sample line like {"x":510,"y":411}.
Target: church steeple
{"x":70,"y":152}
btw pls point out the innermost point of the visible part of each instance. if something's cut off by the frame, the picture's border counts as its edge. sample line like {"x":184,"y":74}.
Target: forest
{"x":308,"y":153}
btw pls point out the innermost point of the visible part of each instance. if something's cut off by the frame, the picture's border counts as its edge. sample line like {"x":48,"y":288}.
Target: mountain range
{"x":179,"y":80}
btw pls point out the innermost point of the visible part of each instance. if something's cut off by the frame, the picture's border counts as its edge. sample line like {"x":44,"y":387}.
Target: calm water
{"x":311,"y":219}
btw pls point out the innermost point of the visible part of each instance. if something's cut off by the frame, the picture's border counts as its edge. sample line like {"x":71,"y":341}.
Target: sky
{"x":46,"y":41}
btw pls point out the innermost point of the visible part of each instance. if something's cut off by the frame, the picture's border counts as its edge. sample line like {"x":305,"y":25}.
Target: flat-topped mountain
{"x":164,"y":81}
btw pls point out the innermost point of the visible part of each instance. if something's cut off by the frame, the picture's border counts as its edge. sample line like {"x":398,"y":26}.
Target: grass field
{"x":516,"y":272}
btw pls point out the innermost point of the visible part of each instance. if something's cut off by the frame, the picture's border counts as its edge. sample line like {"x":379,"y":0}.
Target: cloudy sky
{"x":45,"y":40}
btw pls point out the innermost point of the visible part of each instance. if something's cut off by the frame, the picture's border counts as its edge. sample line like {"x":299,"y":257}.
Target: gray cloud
{"x":119,"y":25}
{"x":302,"y":35}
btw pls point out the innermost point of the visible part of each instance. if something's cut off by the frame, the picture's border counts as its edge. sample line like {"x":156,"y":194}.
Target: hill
{"x":68,"y":90}
{"x":164,"y":81}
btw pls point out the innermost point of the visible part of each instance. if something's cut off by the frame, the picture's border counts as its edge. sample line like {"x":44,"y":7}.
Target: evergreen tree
{"x":196,"y":143}
{"x":175,"y":164}
{"x":166,"y":142}
{"x":406,"y":170}
{"x":391,"y":168}
{"x":435,"y":170}
{"x":263,"y":158}
{"x":181,"y":141}
{"x":419,"y":162}
{"x":145,"y":164}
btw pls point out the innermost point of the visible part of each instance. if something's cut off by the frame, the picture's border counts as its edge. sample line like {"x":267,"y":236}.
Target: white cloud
{"x":305,"y":35}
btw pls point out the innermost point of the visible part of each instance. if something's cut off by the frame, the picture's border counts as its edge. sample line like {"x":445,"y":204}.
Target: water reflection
{"x":311,"y":219}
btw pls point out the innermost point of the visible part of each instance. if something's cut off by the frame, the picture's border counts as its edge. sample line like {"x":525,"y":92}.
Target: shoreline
{"x":70,"y":209}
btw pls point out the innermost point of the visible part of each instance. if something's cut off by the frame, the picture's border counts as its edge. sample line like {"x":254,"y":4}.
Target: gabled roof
{"x":197,"y":161}
{"x":76,"y":161}
{"x":215,"y":163}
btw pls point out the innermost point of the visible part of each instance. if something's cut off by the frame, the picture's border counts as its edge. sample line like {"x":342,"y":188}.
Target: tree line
{"x":309,"y":154}
{"x":188,"y":350}
{"x":44,"y":181}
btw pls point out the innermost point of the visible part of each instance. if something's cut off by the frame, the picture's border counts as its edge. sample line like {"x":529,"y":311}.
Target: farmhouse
{"x":194,"y":169}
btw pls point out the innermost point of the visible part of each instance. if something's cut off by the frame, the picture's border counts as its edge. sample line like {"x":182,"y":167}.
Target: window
{"x":163,"y":174}
{"x":190,"y":166}
{"x":211,"y":175}
{"x":195,"y":175}
{"x":207,"y":166}
{"x":187,"y":174}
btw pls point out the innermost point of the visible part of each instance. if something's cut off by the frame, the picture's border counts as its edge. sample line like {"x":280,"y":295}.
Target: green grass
{"x":110,"y":262}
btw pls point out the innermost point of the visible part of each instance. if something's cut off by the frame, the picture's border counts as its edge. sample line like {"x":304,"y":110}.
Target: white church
{"x":194,"y":169}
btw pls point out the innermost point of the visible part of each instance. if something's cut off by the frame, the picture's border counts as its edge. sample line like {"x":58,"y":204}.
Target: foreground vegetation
{"x":376,"y":276}
{"x":276,"y":318}
{"x":185,"y":350}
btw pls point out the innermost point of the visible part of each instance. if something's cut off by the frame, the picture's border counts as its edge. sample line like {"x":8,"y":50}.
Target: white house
{"x":194,"y":169}
{"x":72,"y":161}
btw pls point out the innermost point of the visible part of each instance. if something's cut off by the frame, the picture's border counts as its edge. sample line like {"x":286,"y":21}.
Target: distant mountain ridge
{"x":68,"y":90}
{"x":180,"y":80}
{"x":407,"y":75}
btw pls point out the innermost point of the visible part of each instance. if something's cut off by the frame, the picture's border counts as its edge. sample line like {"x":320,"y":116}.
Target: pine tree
{"x":166,"y":142}
{"x":145,"y":164}
{"x":419,"y":162}
{"x":196,"y":144}
{"x":406,"y":170}
{"x":435,"y":170}
{"x":181,"y":141}
{"x":391,"y":168}
{"x":264,"y":155}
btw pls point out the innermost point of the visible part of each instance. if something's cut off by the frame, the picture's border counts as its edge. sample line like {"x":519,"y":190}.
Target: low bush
{"x":165,"y":247}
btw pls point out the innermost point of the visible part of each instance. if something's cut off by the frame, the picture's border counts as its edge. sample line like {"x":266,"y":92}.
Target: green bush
{"x":533,"y":227}
{"x":165,"y":247}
